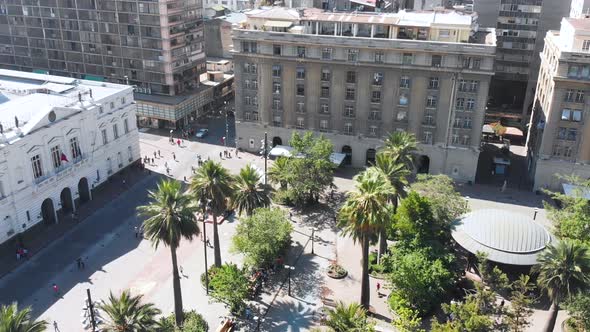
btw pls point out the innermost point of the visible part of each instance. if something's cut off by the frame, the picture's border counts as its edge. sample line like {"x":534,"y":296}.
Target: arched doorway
{"x":423,"y":164}
{"x":83,"y":190}
{"x":67,"y":204}
{"x":48,"y":212}
{"x":276,"y":141}
{"x":370,"y":157}
{"x":347,"y":150}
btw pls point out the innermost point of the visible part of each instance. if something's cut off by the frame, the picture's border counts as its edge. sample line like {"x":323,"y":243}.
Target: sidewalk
{"x":39,"y":236}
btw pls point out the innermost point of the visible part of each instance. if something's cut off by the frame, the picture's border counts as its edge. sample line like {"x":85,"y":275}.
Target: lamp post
{"x":265,"y":155}
{"x":312,"y":240}
{"x":205,"y":205}
{"x":226,"y":124}
{"x":290,"y":268}
{"x":535,"y":214}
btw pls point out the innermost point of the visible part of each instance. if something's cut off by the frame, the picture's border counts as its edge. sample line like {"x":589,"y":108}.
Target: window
{"x":324,"y":108}
{"x":476,"y":63}
{"x":433,"y":83}
{"x":376,"y":96}
{"x":276,"y":87}
{"x":561,"y":133}
{"x":350,"y":93}
{"x":373,"y":130}
{"x":349,"y":111}
{"x":375,"y":115}
{"x":247,"y":116}
{"x":276,"y":49}
{"x":129,"y":153}
{"x":466,"y":140}
{"x":586,"y":45}
{"x":428,"y":119}
{"x":470,"y":104}
{"x":567,"y":151}
{"x":276,"y":121}
{"x":300,"y":90}
{"x":254,"y":84}
{"x":427,"y":137}
{"x":125,"y":125}
{"x":255,"y":116}
{"x":115,"y":131}
{"x":455,"y":138}
{"x":350,"y":77}
{"x":457,"y":123}
{"x":566,"y":114}
{"x":407,"y":58}
{"x":325,"y":92}
{"x":112,"y":105}
{"x":379,"y":57}
{"x":579,"y":96}
{"x":473,"y":86}
{"x":466,"y":62}
{"x":377,"y":78}
{"x":576,"y":116}
{"x":36,"y":165}
{"x":301,"y":51}
{"x":353,"y":55}
{"x":403,"y":99}
{"x":248,"y":100}
{"x":460,"y":103}
{"x":348,"y":129}
{"x":300,"y":73}
{"x":431,"y":101}
{"x":248,"y":47}
{"x":462,"y":85}
{"x":401,"y":116}
{"x":326,"y":53}
{"x":276,"y":71}
{"x":105,"y":138}
{"x":250,"y":68}
{"x":56,"y":156}
{"x":571,"y":134}
{"x":300,"y":123}
{"x":300,"y":107}
{"x":326,"y":75}
{"x":276,"y":104}
{"x":569,"y":95}
{"x":404,"y":82}
{"x":467,"y":123}
{"x":436,"y":61}
{"x":75,"y":147}
{"x":323,"y":124}
{"x":444,"y":33}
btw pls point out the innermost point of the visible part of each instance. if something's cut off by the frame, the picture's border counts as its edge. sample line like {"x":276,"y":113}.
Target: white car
{"x":202,"y":133}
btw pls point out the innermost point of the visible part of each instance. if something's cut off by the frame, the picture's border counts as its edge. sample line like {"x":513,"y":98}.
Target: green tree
{"x":349,"y":318}
{"x":414,"y":221}
{"x":362,"y":214}
{"x":280,"y":173}
{"x":467,"y":316}
{"x":578,"y":308}
{"x":402,"y":146}
{"x":446,"y":203}
{"x":229,"y":285}
{"x":14,"y":320}
{"x":521,"y":300}
{"x":564,"y":270}
{"x":407,"y":320}
{"x":250,"y":193}
{"x":263,"y":236}
{"x":126,"y":313}
{"x":491,"y":274}
{"x":397,"y":174}
{"x":213,"y":183}
{"x":170,"y":217}
{"x":193,"y":322}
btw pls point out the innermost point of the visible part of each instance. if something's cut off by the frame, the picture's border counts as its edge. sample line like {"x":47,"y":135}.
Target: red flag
{"x":64,"y":158}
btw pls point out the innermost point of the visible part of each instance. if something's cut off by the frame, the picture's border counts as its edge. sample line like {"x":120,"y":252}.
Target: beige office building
{"x":559,"y":138}
{"x":355,"y":77}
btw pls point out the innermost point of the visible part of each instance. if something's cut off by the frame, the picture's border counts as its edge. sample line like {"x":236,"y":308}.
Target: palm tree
{"x":401,"y":145}
{"x":13,"y":320}
{"x":564,"y":270}
{"x":279,"y":172}
{"x":250,"y":193}
{"x":396,"y":173}
{"x":362,"y":214}
{"x":347,"y":318}
{"x":213,"y":182}
{"x":170,"y":217}
{"x":126,"y":313}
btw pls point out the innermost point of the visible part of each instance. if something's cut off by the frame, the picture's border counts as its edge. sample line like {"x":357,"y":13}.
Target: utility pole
{"x":91,"y":310}
{"x":205,"y":249}
{"x":265,"y":155}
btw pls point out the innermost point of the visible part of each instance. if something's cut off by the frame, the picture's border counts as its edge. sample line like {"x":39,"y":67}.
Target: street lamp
{"x":313,"y":239}
{"x":226,"y":124}
{"x":290,"y":268}
{"x":204,"y":205}
{"x":535,"y":215}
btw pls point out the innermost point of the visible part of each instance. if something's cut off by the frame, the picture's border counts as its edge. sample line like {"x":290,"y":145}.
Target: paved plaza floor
{"x":116,"y":259}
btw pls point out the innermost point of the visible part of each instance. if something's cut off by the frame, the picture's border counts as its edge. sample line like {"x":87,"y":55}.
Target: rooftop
{"x":580,"y":24}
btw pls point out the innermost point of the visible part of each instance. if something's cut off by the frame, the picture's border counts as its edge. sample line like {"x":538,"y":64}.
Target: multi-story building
{"x":355,"y":77}
{"x":60,"y":137}
{"x":155,"y":46}
{"x":559,"y":138}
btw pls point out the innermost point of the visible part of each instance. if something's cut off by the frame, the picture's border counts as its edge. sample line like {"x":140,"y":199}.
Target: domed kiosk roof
{"x":507,"y":237}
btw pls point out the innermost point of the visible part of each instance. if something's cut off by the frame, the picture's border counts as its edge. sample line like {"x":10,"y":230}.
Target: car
{"x":202,"y":133}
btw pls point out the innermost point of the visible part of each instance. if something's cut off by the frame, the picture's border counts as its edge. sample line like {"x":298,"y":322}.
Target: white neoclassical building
{"x":59,"y":138}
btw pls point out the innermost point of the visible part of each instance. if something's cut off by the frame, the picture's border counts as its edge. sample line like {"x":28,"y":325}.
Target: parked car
{"x":202,"y":133}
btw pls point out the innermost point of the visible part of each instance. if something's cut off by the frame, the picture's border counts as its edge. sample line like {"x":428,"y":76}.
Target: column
{"x":372,"y":30}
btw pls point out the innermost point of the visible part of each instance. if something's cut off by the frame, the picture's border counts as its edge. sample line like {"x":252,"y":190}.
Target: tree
{"x":521,"y":300}
{"x":263,"y":236}
{"x":401,"y":145}
{"x":564,"y":270}
{"x":213,"y":183}
{"x":126,"y":313}
{"x":250,"y":193}
{"x":279,"y":172}
{"x":14,"y":320}
{"x":446,"y":203}
{"x":464,"y":316}
{"x":349,"y":318}
{"x":407,"y":320}
{"x":170,"y":218}
{"x":229,"y":285}
{"x":362,"y":214}
{"x":397,"y":174}
{"x":415,"y":222}
{"x":578,"y":307}
{"x":193,"y":322}
{"x":491,"y":274}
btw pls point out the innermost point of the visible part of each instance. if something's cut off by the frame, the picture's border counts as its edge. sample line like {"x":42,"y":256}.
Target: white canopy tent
{"x":286,"y":151}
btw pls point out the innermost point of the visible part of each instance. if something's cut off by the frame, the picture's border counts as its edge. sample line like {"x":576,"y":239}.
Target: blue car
{"x":202,"y":133}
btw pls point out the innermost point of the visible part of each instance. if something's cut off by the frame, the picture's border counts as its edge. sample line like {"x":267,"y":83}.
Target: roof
{"x":507,"y":237}
{"x":579,"y":23}
{"x":275,"y":13}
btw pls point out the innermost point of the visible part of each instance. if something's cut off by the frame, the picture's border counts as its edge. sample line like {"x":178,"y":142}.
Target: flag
{"x":64,"y":158}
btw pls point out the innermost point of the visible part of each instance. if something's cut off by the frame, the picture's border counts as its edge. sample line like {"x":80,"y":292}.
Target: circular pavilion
{"x":507,"y":237}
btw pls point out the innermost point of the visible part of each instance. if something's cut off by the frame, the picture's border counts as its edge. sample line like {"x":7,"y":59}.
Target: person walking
{"x":378,"y":288}
{"x":166,"y":164}
{"x":220,"y":155}
{"x":55,"y":290}
{"x":209,"y":243}
{"x":55,"y":327}
{"x":154,"y":154}
{"x":159,"y":155}
{"x":174,"y":156}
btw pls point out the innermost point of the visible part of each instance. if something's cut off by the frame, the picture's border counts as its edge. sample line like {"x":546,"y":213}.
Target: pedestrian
{"x":136,"y":231}
{"x":209,"y":243}
{"x":124,"y":182}
{"x":153,"y":162}
{"x":174,"y":156}
{"x":55,"y":327}
{"x":502,"y":303}
{"x":159,"y":153}
{"x":185,"y":179}
{"x":166,"y":164}
{"x":229,"y":153}
{"x":181,"y":270}
{"x":236,"y":152}
{"x":182,"y":141}
{"x":154,"y":154}
{"x":178,"y":142}
{"x":18,"y":254}
{"x":248,"y":313}
{"x":220,"y":155}
{"x":79,"y":263}
{"x":55,"y":290}
{"x":378,"y":288}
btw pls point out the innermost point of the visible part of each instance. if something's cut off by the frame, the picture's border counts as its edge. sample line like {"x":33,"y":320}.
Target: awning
{"x":512,"y":131}
{"x":572,"y":190}
{"x":94,"y":78}
{"x":337,"y":158}
{"x":281,"y":151}
{"x":278,"y":24}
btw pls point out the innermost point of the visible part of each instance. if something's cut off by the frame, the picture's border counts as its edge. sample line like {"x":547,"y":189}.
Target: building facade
{"x":559,"y":139}
{"x":355,"y":77}
{"x":59,"y":139}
